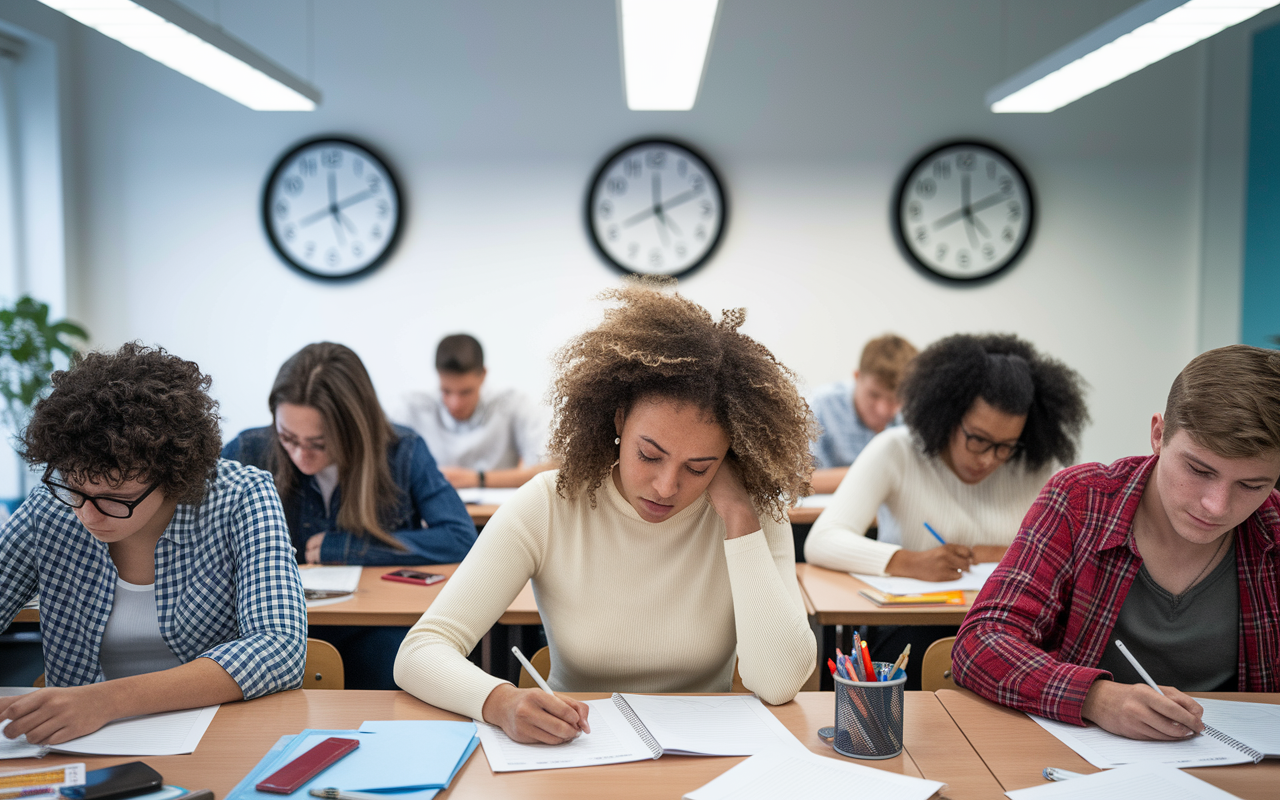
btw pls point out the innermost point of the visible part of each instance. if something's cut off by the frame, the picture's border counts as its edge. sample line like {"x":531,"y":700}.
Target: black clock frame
{"x":599,"y":173}
{"x":392,"y":241}
{"x":895,"y":215}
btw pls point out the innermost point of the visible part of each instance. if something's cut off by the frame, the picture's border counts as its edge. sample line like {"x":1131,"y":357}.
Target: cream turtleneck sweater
{"x":628,"y":605}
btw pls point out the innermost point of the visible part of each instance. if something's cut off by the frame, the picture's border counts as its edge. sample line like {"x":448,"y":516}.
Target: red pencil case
{"x":289,"y":778}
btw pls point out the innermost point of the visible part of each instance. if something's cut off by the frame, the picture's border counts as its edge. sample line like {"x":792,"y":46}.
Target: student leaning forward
{"x":1176,"y":554}
{"x":166,"y":576}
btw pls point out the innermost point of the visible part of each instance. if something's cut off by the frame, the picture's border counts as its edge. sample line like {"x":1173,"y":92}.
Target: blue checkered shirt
{"x":227,"y":584}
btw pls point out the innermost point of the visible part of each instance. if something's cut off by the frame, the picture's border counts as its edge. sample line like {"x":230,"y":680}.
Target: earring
{"x":617,"y":440}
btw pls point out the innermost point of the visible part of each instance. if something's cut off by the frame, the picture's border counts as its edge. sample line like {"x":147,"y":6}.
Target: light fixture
{"x":179,"y":39}
{"x":1140,"y":36}
{"x":664,"y":50}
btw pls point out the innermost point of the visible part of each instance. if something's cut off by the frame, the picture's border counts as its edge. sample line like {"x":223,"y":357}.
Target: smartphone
{"x":413,"y":576}
{"x":122,"y":780}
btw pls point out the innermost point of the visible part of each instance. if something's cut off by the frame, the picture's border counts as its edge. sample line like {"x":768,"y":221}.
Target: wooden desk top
{"x":242,"y":733}
{"x":386,"y":603}
{"x":835,"y":600}
{"x":480,"y":514}
{"x":1017,"y":749}
{"x":803,"y":515}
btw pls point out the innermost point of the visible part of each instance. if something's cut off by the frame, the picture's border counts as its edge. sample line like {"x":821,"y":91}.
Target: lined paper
{"x":1134,"y":782}
{"x":611,"y":741}
{"x":739,"y":725}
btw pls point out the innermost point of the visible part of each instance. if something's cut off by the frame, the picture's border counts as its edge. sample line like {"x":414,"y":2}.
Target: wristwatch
{"x":480,"y":477}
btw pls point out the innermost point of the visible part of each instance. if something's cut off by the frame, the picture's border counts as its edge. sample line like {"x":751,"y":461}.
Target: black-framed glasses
{"x":980,"y":444}
{"x":109,"y":506}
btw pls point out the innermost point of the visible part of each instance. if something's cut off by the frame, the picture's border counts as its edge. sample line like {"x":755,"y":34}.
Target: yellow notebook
{"x":951,"y":598}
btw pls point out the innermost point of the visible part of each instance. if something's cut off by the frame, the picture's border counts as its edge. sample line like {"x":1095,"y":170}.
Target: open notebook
{"x":1236,"y":733}
{"x":635,"y":727}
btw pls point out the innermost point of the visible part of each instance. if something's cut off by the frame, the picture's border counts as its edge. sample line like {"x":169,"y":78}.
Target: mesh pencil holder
{"x":869,"y":717}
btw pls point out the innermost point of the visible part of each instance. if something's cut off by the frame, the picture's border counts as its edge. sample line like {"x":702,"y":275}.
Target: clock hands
{"x":679,"y":199}
{"x":981,"y":205}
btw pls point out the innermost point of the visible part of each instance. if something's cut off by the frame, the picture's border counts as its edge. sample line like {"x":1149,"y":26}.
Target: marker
{"x":867,"y":665}
{"x":930,"y":529}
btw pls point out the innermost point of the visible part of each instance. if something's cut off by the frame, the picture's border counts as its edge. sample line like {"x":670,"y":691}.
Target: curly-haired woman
{"x":658,"y":551}
{"x":166,"y":577}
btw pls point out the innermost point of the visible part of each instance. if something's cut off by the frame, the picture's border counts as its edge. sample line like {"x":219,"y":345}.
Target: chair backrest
{"x":935,"y":669}
{"x":541,"y":661}
{"x":39,"y":681}
{"x":324,"y":666}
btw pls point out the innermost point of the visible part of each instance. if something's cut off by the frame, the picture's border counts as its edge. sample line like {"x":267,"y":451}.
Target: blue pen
{"x":930,"y":529}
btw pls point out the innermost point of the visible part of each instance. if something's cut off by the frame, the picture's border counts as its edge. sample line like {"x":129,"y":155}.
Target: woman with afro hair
{"x":988,"y":420}
{"x":659,"y":552}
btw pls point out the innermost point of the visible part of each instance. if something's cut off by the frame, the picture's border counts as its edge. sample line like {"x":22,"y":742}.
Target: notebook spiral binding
{"x":1257,"y":756}
{"x":637,"y":725}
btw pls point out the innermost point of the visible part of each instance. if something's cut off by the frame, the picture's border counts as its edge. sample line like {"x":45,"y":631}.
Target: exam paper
{"x":169,"y":734}
{"x":1134,"y":782}
{"x":611,"y":741}
{"x":773,"y":775}
{"x":737,"y":725}
{"x":487,"y":496}
{"x":1107,"y":750}
{"x":331,"y":579}
{"x":970,"y":581}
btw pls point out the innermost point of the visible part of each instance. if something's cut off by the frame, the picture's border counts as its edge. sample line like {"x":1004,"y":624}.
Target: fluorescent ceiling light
{"x":179,"y":39}
{"x":664,"y":50}
{"x":1140,"y":36}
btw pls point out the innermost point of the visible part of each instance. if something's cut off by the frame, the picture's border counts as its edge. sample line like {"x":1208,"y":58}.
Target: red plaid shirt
{"x":1040,"y":625}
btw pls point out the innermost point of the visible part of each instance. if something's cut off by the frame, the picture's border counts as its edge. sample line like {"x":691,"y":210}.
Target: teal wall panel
{"x":1260,"y":311}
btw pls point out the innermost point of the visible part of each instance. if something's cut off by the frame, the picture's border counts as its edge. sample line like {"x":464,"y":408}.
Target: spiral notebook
{"x":636,"y":727}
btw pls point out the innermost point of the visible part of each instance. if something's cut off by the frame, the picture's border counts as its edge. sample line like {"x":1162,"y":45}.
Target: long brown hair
{"x":331,"y":379}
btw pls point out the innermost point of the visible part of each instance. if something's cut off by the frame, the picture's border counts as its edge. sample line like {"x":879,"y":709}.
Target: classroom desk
{"x":242,"y":732}
{"x":1016,"y":749}
{"x":480,"y":514}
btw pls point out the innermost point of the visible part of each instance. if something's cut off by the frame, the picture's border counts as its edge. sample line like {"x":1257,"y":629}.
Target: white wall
{"x":495,"y":115}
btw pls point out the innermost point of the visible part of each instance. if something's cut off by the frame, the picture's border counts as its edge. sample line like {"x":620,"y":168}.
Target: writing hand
{"x":532,"y":716}
{"x":57,"y":715}
{"x":730,"y":500}
{"x":1136,"y":711}
{"x":943,"y":563}
{"x":313,"y":548}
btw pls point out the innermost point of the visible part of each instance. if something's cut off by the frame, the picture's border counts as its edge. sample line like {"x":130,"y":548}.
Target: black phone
{"x":122,"y":780}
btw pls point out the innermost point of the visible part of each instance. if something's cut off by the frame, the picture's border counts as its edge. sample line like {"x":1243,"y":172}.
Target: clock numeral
{"x":632,"y":167}
{"x":926,"y":188}
{"x":333,"y":257}
{"x":331,"y":158}
{"x":966,"y":162}
{"x":1007,"y":234}
{"x":375,"y":232}
{"x":616,"y":185}
{"x":309,"y":250}
{"x":357,"y":166}
{"x":613,"y":233}
{"x":942,"y":170}
{"x":914,"y":210}
{"x":373,"y":182}
{"x":989,"y":251}
{"x":1015,"y":211}
{"x":991,"y":170}
{"x":656,"y":159}
{"x":940,"y":254}
{"x":357,"y":250}
{"x":922,"y":235}
{"x":633,"y":250}
{"x":681,"y":250}
{"x":307,"y":166}
{"x":698,"y":183}
{"x":605,"y":209}
{"x":682,"y":167}
{"x":700,"y":232}
{"x":293,"y":184}
{"x":707,"y":207}
{"x":1006,"y":185}
{"x":655,"y":257}
{"x":281,"y":208}
{"x":384,"y":208}
{"x":962,"y":258}
{"x":290,"y":232}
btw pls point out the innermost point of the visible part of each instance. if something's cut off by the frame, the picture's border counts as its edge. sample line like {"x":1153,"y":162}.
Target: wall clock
{"x":332,"y":209}
{"x":964,"y":211}
{"x":656,"y":208}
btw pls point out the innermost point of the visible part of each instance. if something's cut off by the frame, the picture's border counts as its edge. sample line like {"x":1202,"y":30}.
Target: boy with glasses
{"x":166,"y":576}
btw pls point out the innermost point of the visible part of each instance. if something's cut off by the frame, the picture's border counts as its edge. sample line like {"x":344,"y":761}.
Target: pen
{"x":537,"y":678}
{"x":857,"y":651}
{"x":331,"y":793}
{"x":1124,"y":651}
{"x":831,"y":665}
{"x":867,"y":665}
{"x":1055,"y":774}
{"x":930,"y":529}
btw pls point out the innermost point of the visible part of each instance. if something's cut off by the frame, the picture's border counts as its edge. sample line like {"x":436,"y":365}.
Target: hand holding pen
{"x":535,"y":715}
{"x":947,"y":562}
{"x":1136,"y":711}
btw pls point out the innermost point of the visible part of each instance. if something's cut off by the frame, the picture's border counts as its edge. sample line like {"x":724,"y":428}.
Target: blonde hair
{"x":886,"y":358}
{"x":331,"y":379}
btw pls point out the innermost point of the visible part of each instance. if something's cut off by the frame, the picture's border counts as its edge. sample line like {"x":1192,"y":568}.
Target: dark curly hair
{"x":659,"y":344}
{"x":943,"y":382}
{"x":139,"y":413}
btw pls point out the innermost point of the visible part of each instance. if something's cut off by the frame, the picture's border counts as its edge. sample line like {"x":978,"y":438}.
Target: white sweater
{"x":917,"y":489}
{"x":628,"y":605}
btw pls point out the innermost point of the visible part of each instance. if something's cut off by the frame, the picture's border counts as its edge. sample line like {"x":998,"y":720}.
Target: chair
{"x":324,"y":666}
{"x":935,"y":668}
{"x":39,"y":681}
{"x":541,"y":661}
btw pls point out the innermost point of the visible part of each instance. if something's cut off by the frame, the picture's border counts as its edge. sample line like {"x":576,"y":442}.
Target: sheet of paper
{"x":331,"y":579}
{"x":737,"y":725}
{"x":970,"y":581}
{"x":815,"y":501}
{"x":773,"y":775}
{"x":19,"y":747}
{"x":487,"y":496}
{"x":612,"y":741}
{"x":1255,"y":724}
{"x":329,"y":601}
{"x":1107,"y":750}
{"x":1134,"y":782}
{"x":173,"y":733}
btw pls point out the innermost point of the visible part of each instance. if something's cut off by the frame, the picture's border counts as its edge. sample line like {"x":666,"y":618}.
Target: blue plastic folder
{"x":403,"y":759}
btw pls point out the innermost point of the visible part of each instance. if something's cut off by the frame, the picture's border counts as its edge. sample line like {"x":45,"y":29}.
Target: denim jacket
{"x":429,"y":519}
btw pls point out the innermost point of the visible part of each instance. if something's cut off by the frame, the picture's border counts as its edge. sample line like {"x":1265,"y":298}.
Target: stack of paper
{"x":970,"y":581}
{"x":410,"y":759}
{"x":327,"y":585}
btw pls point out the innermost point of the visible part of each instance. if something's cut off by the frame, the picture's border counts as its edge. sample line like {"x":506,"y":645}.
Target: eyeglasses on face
{"x":109,"y":506}
{"x":980,"y":444}
{"x":291,"y":442}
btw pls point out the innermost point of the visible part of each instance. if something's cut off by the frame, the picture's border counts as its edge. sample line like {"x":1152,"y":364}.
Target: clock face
{"x":656,"y":208}
{"x":964,"y":211}
{"x":332,"y":209}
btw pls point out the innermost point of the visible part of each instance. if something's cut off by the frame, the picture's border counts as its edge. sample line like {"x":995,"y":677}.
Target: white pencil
{"x":533,"y":673}
{"x":1124,"y":651}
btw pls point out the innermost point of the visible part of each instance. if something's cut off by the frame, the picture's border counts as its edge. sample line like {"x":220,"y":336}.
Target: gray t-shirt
{"x":1190,"y":641}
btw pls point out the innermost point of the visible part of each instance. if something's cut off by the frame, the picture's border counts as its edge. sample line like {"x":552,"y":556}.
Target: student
{"x":851,"y":412}
{"x":165,"y":576}
{"x":356,"y":490}
{"x":498,"y":439}
{"x":659,"y":552}
{"x":1175,"y":554}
